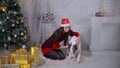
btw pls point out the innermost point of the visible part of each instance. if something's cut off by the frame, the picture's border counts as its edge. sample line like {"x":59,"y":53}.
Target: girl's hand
{"x":78,"y":39}
{"x":64,"y":47}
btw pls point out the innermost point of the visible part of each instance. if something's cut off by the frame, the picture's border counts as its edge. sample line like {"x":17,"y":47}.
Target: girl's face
{"x":66,"y":29}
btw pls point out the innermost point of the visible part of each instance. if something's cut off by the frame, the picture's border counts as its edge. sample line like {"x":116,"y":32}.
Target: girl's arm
{"x":72,"y":33}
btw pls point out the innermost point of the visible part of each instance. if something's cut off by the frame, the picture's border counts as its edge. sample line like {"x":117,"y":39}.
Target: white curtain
{"x":33,"y":11}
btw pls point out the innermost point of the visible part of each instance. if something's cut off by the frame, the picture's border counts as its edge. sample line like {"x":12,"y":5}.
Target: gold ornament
{"x":3,"y":30}
{"x":25,"y":36}
{"x":4,"y":9}
{"x":22,"y":20}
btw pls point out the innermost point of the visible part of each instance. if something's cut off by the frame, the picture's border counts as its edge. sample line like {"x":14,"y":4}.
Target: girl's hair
{"x":58,"y":34}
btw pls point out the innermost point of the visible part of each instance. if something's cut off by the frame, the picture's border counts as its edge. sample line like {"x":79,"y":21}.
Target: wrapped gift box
{"x":10,"y":66}
{"x":5,"y":60}
{"x":35,"y":54}
{"x":25,"y":66}
{"x":21,"y":61}
{"x":21,"y":51}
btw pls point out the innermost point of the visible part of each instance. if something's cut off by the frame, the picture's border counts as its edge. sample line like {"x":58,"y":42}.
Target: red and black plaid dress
{"x":49,"y":44}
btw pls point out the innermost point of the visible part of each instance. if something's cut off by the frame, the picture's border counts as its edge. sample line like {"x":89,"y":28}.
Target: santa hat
{"x":65,"y":22}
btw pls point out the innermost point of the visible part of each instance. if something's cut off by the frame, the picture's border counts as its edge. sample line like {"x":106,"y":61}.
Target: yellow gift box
{"x":22,"y":57}
{"x":34,"y":50}
{"x":10,"y":66}
{"x":35,"y":54}
{"x":21,"y":51}
{"x":18,"y":57}
{"x":5,"y":60}
{"x":25,"y":66}
{"x":13,"y":57}
{"x":21,"y":61}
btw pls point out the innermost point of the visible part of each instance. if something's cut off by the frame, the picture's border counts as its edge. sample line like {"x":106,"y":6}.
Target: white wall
{"x":79,"y":12}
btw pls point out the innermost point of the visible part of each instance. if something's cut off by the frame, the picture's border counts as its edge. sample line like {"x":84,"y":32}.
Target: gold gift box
{"x":10,"y":66}
{"x":21,"y":61}
{"x":25,"y":66}
{"x":18,"y":57}
{"x":13,"y":57}
{"x":35,"y":54}
{"x":5,"y":60}
{"x":21,"y":51}
{"x":22,"y":57}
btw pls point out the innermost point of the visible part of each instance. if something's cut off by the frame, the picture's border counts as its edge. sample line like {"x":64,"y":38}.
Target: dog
{"x":74,"y":49}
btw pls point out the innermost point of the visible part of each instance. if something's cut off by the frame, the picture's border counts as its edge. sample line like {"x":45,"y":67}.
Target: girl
{"x":51,"y":47}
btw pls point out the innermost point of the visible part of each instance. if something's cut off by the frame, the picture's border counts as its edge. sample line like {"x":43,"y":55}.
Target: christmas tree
{"x":12,"y":25}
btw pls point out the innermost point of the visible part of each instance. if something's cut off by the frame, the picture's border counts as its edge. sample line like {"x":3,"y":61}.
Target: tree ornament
{"x":22,"y":34}
{"x":13,"y":25}
{"x":15,"y":35}
{"x":4,"y":9}
{"x":25,"y":37}
{"x":15,"y":13}
{"x":5,"y":45}
{"x":7,"y":17}
{"x":25,"y":31}
{"x":17,"y":22}
{"x":22,"y":21}
{"x":3,"y":30}
{"x":19,"y":18}
{"x":23,"y":46}
{"x":9,"y":38}
{"x":11,"y":19}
